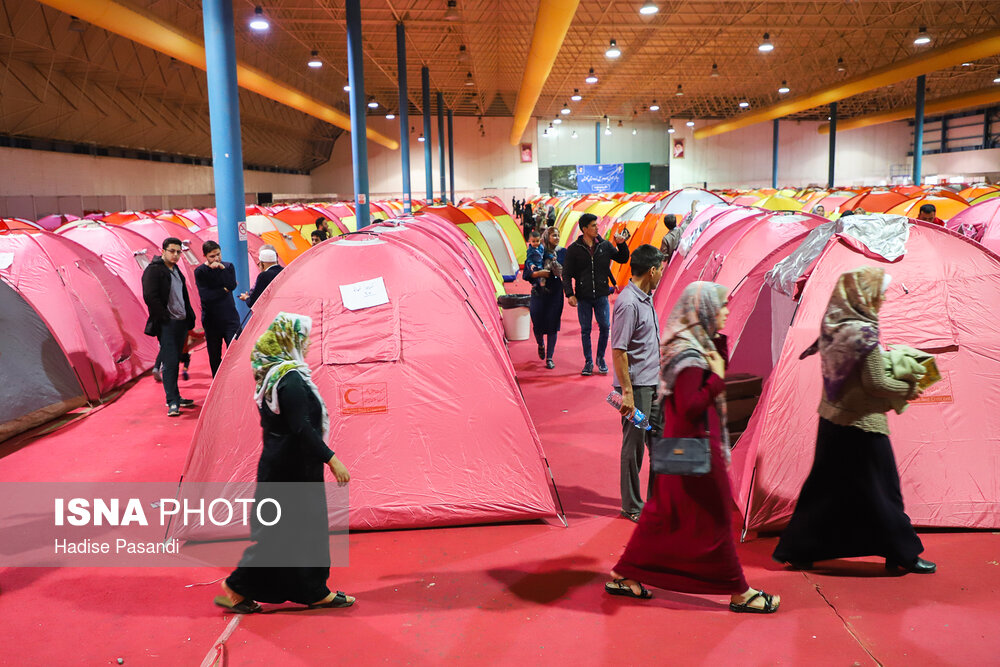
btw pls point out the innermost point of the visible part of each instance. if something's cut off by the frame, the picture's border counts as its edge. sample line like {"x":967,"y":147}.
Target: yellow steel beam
{"x":983,"y":45}
{"x":159,"y":36}
{"x":551,"y":26}
{"x":976,"y":98}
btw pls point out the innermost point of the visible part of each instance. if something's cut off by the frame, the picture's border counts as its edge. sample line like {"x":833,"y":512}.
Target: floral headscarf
{"x":688,"y":339}
{"x":850,"y":326}
{"x":280,"y":350}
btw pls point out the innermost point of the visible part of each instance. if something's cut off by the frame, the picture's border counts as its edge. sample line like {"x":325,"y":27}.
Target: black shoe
{"x":184,"y":374}
{"x":174,"y":410}
{"x":918,"y":566}
{"x":631,"y":516}
{"x":550,"y":364}
{"x":588,"y":369}
{"x":602,"y":368}
{"x":184,"y":403}
{"x":541,"y":352}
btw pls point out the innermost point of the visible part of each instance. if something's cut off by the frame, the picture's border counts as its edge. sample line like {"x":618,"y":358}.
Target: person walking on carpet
{"x":684,"y":540}
{"x":544,"y":265}
{"x":851,"y":503}
{"x":635,"y":357}
{"x":296,"y":426}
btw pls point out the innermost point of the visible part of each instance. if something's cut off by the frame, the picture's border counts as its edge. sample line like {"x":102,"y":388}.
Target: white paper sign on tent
{"x":366,"y":294}
{"x":6,"y":259}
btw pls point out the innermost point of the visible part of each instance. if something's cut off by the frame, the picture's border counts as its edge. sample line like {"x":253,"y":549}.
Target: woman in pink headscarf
{"x":684,"y":540}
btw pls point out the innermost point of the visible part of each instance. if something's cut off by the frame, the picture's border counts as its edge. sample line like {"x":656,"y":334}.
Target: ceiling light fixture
{"x":670,"y":129}
{"x":451,"y":14}
{"x":607,"y":128}
{"x":922,"y":37}
{"x":634,"y":131}
{"x":997,"y":80}
{"x":784,"y":88}
{"x":372,"y":104}
{"x":565,"y":110}
{"x":557,"y":120}
{"x":649,"y":8}
{"x":468,"y":79}
{"x":715,"y":70}
{"x":576,"y":96}
{"x":620,"y":124}
{"x":314,"y":60}
{"x":680,"y":91}
{"x":766,"y":46}
{"x":75,"y":24}
{"x":259,"y":22}
{"x":390,"y":116}
{"x":744,"y":104}
{"x":421,"y":138}
{"x":591,"y":77}
{"x":841,"y":67}
{"x":463,"y":54}
{"x":613,"y":50}
{"x":574,"y":135}
{"x":966,"y":64}
{"x":690,"y":123}
{"x":654,"y":106}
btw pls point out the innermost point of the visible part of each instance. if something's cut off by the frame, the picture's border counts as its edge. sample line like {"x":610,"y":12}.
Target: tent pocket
{"x":360,"y":336}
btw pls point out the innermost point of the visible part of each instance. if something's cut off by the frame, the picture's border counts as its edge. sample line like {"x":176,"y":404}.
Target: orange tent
{"x":121,"y":217}
{"x":975,"y":191}
{"x":874,"y":201}
{"x":946,"y":206}
{"x":287,"y":241}
{"x":15,"y":224}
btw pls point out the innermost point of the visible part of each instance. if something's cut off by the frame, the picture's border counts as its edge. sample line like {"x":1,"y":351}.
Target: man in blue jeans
{"x":587,"y":282}
{"x":170,"y":317}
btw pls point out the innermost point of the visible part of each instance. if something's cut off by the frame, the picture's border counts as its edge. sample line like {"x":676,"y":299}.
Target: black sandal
{"x":339,"y":600}
{"x":745,"y":608}
{"x":616,"y":587}
{"x":244,"y":606}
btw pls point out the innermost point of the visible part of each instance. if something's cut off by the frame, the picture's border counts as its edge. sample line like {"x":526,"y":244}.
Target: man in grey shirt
{"x":635,"y":353}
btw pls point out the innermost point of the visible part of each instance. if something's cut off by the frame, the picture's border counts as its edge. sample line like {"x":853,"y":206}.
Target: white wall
{"x":36,"y":183}
{"x":649,"y":144}
{"x":483,"y":165}
{"x":969,"y":166}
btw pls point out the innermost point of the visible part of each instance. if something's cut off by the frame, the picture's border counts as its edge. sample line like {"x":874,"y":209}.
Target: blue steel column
{"x":918,"y":131}
{"x":227,"y":150}
{"x":359,"y":142}
{"x":833,"y":143}
{"x":597,"y":141}
{"x":774,"y":156}
{"x":425,"y":83}
{"x":404,"y":114}
{"x":451,"y":155}
{"x":444,"y":184}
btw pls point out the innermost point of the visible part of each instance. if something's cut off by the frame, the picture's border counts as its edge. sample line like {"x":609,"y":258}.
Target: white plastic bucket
{"x":516,"y":323}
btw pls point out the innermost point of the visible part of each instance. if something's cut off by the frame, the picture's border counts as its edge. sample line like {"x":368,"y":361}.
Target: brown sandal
{"x":244,"y":606}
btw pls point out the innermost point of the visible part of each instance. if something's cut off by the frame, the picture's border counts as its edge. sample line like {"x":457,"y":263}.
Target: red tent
{"x":125,"y":252}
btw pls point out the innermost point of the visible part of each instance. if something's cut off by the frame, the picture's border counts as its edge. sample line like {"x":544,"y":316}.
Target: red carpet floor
{"x":508,"y":594}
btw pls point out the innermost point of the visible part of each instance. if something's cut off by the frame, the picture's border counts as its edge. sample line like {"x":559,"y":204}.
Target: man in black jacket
{"x":216,"y":281}
{"x":588,"y":263}
{"x":267,"y":260}
{"x":170,"y":317}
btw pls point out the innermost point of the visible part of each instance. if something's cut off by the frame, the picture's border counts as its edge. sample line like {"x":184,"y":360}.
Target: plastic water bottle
{"x":639,"y":420}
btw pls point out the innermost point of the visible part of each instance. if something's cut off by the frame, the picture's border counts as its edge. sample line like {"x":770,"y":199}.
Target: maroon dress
{"x":684,"y":541}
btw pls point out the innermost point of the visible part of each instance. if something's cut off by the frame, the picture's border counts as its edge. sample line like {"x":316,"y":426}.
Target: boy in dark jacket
{"x":216,"y":282}
{"x":588,"y":265}
{"x":170,"y":317}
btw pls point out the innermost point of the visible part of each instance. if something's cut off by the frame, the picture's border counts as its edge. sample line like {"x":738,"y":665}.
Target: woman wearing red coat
{"x":684,"y":540}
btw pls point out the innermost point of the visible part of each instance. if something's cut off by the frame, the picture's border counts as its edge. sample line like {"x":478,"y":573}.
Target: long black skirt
{"x":851,"y":504}
{"x":546,"y":307}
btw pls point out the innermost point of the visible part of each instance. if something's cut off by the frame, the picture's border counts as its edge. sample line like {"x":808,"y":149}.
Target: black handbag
{"x":681,"y":456}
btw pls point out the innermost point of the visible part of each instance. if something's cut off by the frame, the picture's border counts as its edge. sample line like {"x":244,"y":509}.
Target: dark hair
{"x":534,"y":234}
{"x":586,"y":219}
{"x":320,"y":221}
{"x":209,"y":246}
{"x":846,"y":213}
{"x":670,"y":220}
{"x":644,"y":258}
{"x":320,"y":233}
{"x":169,"y":241}
{"x":928,"y":208}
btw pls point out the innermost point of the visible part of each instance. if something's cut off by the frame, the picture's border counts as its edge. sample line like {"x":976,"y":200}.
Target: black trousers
{"x":215,"y":333}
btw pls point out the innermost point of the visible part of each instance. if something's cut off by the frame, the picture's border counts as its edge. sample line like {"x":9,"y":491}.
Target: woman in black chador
{"x":851,"y":504}
{"x":296,"y":425}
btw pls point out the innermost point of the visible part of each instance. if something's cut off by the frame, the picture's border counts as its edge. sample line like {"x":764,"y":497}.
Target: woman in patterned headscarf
{"x":851,"y":504}
{"x":684,"y":540}
{"x":296,"y":426}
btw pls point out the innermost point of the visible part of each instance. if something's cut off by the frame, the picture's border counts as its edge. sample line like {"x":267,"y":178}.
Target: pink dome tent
{"x":980,"y":222}
{"x":157,"y":231}
{"x":125,"y":252}
{"x":254,"y":244}
{"x":940,"y":300}
{"x":50,"y":223}
{"x":424,"y":411}
{"x":97,"y":321}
